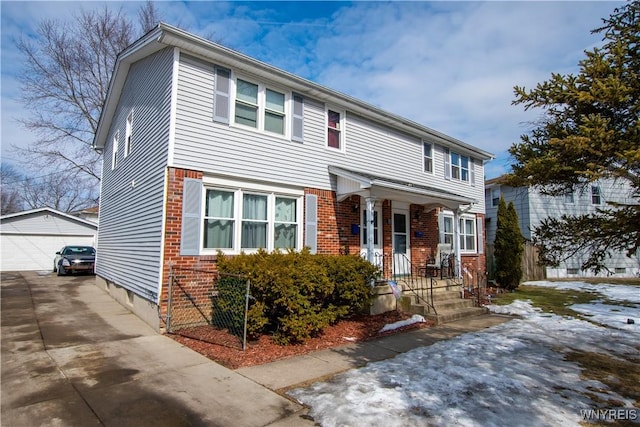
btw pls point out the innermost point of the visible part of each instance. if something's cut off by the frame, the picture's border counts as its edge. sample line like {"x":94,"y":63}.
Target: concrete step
{"x":450,"y":316}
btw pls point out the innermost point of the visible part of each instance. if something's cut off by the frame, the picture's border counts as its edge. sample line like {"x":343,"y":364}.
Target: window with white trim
{"x":568,"y":197}
{"x":127,"y":135}
{"x":495,"y":197}
{"x":447,"y":233}
{"x":114,"y":156}
{"x":244,"y":220}
{"x":459,"y":167}
{"x":595,"y":195}
{"x":467,"y":234}
{"x":335,"y":129}
{"x":260,"y":107}
{"x":427,"y":153}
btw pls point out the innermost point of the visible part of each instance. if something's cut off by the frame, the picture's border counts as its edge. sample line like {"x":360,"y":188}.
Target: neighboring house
{"x":90,"y":214}
{"x":207,"y":150}
{"x":532,"y":207}
{"x":30,"y":239}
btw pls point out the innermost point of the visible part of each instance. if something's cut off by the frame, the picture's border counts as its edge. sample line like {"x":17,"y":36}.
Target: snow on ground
{"x":512,"y":374}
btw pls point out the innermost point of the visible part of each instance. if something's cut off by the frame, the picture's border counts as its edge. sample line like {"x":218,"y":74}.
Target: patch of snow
{"x":629,"y":293}
{"x":511,"y":374}
{"x":416,"y":318}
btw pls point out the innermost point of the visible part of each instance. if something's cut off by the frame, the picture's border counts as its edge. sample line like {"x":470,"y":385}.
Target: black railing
{"x":398,"y":267}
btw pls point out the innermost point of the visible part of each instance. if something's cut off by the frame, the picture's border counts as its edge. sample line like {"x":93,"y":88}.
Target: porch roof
{"x":368,"y":185}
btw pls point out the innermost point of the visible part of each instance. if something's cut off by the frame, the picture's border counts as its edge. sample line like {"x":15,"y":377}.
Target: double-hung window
{"x":286,"y":223}
{"x":447,"y":232}
{"x":246,"y":103}
{"x":219,"y":219}
{"x":127,"y":135}
{"x":467,"y":234}
{"x":335,"y":129}
{"x":459,"y":167}
{"x":260,"y":107}
{"x":595,"y":195}
{"x":114,"y":157}
{"x":427,"y":153}
{"x":245,"y":220}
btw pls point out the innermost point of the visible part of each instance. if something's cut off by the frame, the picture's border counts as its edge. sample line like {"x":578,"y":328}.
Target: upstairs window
{"x":261,"y":108}
{"x":427,"y":153}
{"x":595,"y":195}
{"x":334,"y":129}
{"x":246,"y":103}
{"x":114,"y":157}
{"x":459,"y":167}
{"x":274,"y":116}
{"x":127,"y":135}
{"x":495,"y":197}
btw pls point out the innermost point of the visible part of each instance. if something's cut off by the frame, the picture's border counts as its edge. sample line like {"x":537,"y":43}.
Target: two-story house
{"x":532,"y":207}
{"x":206,"y":150}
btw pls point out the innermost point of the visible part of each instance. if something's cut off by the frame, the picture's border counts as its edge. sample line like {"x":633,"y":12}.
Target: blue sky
{"x":449,"y":65}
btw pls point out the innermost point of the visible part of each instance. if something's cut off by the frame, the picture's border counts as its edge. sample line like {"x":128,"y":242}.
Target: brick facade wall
{"x":335,"y":232}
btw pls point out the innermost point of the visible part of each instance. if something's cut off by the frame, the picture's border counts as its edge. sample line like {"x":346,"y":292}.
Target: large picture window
{"x":243,"y":220}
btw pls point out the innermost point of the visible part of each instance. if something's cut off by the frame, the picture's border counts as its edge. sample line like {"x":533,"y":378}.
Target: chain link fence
{"x":208,"y":306}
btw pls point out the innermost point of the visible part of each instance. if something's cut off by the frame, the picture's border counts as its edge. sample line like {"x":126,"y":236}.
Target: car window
{"x":79,"y":250}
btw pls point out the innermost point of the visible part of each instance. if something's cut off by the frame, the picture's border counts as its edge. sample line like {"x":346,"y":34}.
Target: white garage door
{"x":35,"y":252}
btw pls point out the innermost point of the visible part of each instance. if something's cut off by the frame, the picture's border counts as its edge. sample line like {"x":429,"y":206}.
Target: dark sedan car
{"x":75,"y":259}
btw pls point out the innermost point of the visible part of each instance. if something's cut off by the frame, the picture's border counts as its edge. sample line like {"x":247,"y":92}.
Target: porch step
{"x":450,"y":316}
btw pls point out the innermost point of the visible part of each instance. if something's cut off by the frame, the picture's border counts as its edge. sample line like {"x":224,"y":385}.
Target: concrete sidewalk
{"x":286,"y":374}
{"x":71,"y":355}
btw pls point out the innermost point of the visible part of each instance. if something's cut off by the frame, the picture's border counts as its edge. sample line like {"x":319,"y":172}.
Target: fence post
{"x":246,"y":313}
{"x":169,"y":298}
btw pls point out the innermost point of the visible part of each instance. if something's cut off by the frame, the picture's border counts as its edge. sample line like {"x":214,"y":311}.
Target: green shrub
{"x":295,"y":295}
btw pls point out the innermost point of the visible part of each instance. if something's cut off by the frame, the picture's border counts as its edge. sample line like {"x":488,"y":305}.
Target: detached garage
{"x":29,"y":240}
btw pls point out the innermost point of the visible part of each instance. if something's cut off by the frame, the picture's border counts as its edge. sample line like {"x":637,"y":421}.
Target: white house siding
{"x":131,"y":206}
{"x":532,"y":208}
{"x":214,"y":148}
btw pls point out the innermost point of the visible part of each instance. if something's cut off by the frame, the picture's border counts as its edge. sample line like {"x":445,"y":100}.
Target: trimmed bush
{"x":295,"y":295}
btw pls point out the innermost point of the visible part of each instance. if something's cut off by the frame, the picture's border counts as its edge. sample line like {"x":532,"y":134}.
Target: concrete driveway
{"x":72,"y":356}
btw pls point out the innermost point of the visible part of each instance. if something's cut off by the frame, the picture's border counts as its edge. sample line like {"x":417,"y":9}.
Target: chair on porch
{"x":440,"y":262}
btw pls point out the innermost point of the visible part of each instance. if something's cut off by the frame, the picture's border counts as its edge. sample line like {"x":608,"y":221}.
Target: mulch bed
{"x":228,"y":352}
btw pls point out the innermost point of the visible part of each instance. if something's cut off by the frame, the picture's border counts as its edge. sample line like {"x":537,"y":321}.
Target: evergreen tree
{"x":508,"y":247}
{"x":590,"y":131}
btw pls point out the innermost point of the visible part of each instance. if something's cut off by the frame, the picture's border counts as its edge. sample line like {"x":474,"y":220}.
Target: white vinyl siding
{"x":132,"y":196}
{"x":242,"y":152}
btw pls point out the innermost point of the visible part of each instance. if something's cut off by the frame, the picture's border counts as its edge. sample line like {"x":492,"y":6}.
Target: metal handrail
{"x":386,"y":261}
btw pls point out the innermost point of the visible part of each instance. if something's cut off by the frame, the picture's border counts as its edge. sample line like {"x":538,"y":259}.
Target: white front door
{"x":377,"y":235}
{"x":401,"y":242}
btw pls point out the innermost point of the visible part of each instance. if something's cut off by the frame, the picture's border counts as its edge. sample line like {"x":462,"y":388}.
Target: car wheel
{"x":55,"y":270}
{"x":61,"y":271}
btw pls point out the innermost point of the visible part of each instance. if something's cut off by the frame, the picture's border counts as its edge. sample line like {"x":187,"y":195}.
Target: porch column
{"x":456,"y":242}
{"x":371,"y":203}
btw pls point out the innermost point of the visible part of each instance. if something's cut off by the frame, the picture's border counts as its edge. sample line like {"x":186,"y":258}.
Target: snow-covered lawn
{"x":513,"y":374}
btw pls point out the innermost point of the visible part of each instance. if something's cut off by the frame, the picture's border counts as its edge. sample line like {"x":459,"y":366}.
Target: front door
{"x":401,"y":249}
